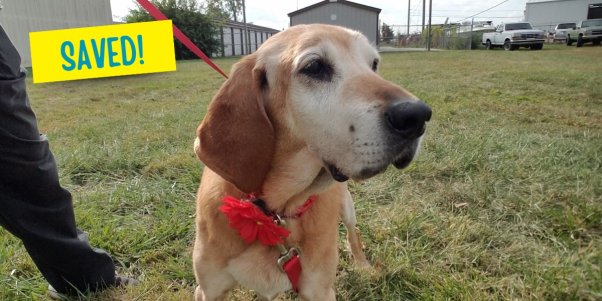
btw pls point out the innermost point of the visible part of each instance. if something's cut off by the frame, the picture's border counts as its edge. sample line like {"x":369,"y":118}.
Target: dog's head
{"x":317,"y":85}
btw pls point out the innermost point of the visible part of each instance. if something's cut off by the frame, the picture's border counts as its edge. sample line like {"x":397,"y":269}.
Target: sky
{"x":273,"y":13}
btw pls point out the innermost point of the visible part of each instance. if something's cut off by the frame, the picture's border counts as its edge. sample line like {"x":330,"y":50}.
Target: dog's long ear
{"x":236,"y":136}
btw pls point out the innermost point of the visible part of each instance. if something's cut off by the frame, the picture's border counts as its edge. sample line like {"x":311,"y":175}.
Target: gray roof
{"x":370,"y":8}
{"x":250,"y":26}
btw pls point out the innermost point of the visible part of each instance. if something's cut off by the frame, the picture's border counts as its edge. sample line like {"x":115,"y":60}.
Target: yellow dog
{"x":298,"y":118}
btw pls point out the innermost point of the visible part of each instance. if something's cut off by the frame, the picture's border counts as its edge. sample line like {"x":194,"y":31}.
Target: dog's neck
{"x":287,"y":186}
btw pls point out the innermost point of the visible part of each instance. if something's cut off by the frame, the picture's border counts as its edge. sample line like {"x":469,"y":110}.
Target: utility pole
{"x":409,"y":17}
{"x":246,"y":29}
{"x":428,"y":42}
{"x":423,"y":11}
{"x":471,"y":29}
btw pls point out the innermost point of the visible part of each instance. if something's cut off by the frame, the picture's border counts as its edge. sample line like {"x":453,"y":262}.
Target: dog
{"x":295,"y":120}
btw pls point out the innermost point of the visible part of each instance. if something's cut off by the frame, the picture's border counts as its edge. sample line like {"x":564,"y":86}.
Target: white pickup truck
{"x":585,"y":31}
{"x":511,"y":36}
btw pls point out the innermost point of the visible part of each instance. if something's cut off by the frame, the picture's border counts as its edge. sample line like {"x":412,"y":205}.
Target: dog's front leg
{"x":353,"y":234}
{"x":319,"y":263}
{"x":199,"y":295}
{"x":212,"y":286}
{"x":318,"y":294}
{"x":213,"y":280}
{"x":317,"y":286}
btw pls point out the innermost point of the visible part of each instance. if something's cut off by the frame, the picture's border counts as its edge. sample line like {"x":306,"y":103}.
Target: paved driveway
{"x":395,"y":49}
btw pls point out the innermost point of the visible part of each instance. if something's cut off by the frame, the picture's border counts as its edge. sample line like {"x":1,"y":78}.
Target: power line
{"x":483,"y":11}
{"x":481,"y":17}
{"x":461,"y":10}
{"x":417,"y":5}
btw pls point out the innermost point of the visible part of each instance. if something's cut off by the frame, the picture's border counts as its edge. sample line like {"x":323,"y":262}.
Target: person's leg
{"x":33,"y":205}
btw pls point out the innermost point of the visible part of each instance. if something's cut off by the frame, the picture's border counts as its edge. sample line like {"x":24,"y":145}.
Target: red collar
{"x":254,"y":221}
{"x":298,"y":213}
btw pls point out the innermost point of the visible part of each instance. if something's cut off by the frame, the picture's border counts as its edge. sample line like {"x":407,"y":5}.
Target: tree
{"x":185,"y":14}
{"x":225,"y":9}
{"x":387,"y":33}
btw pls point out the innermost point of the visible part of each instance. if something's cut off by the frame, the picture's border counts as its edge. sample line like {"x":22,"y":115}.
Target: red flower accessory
{"x":251,"y":223}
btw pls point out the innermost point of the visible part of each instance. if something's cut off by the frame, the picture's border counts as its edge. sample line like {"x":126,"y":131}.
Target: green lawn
{"x":503,"y":203}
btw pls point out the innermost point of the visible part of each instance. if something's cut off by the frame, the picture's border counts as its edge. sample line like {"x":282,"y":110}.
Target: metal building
{"x":232,"y":38}
{"x":545,"y":14}
{"x":343,"y":13}
{"x":19,"y":17}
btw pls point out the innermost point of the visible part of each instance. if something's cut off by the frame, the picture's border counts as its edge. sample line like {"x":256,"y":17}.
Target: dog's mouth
{"x":403,"y":161}
{"x":367,"y":172}
{"x":336,"y":173}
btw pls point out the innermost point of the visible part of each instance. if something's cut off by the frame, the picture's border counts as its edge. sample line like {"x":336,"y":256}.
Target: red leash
{"x":158,"y":15}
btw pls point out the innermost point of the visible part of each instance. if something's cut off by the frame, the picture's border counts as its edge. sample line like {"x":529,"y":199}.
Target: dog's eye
{"x":318,"y":70}
{"x":375,"y":65}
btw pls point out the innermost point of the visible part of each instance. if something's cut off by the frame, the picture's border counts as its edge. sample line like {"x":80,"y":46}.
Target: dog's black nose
{"x":408,"y":119}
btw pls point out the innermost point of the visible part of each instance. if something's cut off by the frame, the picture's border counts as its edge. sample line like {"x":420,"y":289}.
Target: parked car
{"x":585,"y":31}
{"x":511,"y":36}
{"x":561,"y":29}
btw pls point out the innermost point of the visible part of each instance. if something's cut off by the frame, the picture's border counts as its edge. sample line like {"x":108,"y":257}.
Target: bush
{"x":186,"y":15}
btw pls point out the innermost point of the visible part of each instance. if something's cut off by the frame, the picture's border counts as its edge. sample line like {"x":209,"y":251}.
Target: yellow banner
{"x":102,"y":51}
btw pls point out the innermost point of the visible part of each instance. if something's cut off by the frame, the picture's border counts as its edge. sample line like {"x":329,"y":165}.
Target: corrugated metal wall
{"x":19,"y":17}
{"x":232,"y":38}
{"x":340,"y":14}
{"x":546,"y":14}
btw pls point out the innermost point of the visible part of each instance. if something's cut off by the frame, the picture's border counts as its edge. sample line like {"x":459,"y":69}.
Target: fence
{"x":463,"y":36}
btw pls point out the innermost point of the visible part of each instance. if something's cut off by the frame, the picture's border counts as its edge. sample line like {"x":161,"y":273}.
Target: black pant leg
{"x":33,"y":205}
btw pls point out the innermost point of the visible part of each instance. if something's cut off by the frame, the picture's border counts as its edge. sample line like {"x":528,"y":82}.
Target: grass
{"x":504,"y":202}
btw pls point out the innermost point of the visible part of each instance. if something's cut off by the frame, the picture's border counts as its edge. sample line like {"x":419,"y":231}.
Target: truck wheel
{"x":488,"y":45}
{"x":580,"y":41}
{"x":569,"y":42}
{"x":536,"y":47}
{"x":596,"y":42}
{"x":508,"y":46}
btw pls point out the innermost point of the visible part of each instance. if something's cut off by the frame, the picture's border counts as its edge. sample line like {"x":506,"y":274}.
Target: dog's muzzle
{"x":404,"y":122}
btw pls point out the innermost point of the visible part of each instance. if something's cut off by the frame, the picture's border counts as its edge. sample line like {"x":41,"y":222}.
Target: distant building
{"x":20,"y":17}
{"x":232,"y":38}
{"x":468,"y":26}
{"x":343,"y":13}
{"x":545,"y":14}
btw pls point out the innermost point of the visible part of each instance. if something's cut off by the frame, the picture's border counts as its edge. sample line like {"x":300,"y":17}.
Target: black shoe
{"x":120,"y":281}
